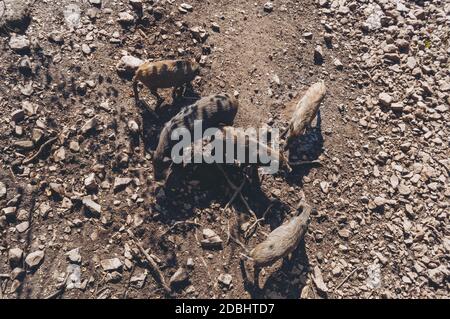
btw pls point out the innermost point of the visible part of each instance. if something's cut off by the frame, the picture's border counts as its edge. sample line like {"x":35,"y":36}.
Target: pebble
{"x":128,"y":64}
{"x":211,"y":239}
{"x":19,"y":43}
{"x":125,"y":18}
{"x":90,"y":184}
{"x":74,"y":256}
{"x":92,"y":206}
{"x":18,"y":115}
{"x":225,"y":280}
{"x":23,"y":227}
{"x":268,"y":7}
{"x":113,"y":264}
{"x":318,"y":55}
{"x":34,"y":259}
{"x":3,"y":190}
{"x":86,"y":49}
{"x":120,"y":183}
{"x":179,"y":277}
{"x":15,"y":256}
{"x":385,"y":99}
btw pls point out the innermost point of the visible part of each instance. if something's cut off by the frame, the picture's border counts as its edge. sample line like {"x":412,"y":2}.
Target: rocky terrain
{"x":82,"y":217}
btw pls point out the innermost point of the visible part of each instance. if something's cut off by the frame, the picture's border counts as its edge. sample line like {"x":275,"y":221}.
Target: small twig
{"x":12,"y":174}
{"x":180,"y":223}
{"x":239,"y":243}
{"x":234,"y":187}
{"x":143,"y":34}
{"x":228,"y":232}
{"x":152,"y":263}
{"x":249,"y":231}
{"x":206,"y":266}
{"x":246,"y":257}
{"x":345,"y":279}
{"x":298,"y":163}
{"x":129,"y":283}
{"x":59,"y":289}
{"x":236,"y":192}
{"x":39,"y":152}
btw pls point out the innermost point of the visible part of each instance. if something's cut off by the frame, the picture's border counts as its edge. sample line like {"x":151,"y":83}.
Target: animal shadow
{"x":154,"y":118}
{"x":307,"y":147}
{"x":286,"y":282}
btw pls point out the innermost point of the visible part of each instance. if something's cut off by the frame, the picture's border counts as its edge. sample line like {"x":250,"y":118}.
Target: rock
{"x":60,"y":154}
{"x":373,"y":21}
{"x":318,"y":280}
{"x":190,"y":263}
{"x":34,"y":259}
{"x":86,"y":49}
{"x":215,"y":27}
{"x":25,"y":67}
{"x":384,"y":99}
{"x":74,"y":256}
{"x":113,"y":264}
{"x":17,"y":273}
{"x":37,"y":135}
{"x":268,"y":7}
{"x":29,"y":108}
{"x":15,"y":14}
{"x":138,"y":281}
{"x":97,"y":3}
{"x":19,"y":43}
{"x":89,"y":126}
{"x":72,"y":14}
{"x":199,"y":33}
{"x":179,"y":277}
{"x":411,"y":63}
{"x":336,"y":271}
{"x":397,"y":107}
{"x":344,"y":233}
{"x":324,"y":186}
{"x":9,"y":212}
{"x":57,"y":189}
{"x":125,"y":18}
{"x":212,"y":240}
{"x":128,"y":64}
{"x":23,"y":227}
{"x":404,"y":190}
{"x":308,"y":35}
{"x":56,"y":37}
{"x":185,"y":8}
{"x":24,"y":145}
{"x":437,"y":275}
{"x":3,"y":190}
{"x":92,"y":206}
{"x":15,"y":256}
{"x":120,"y":183}
{"x":114,"y":277}
{"x":379,"y":201}
{"x":74,"y":146}
{"x":318,"y":55}
{"x":17,"y":115}
{"x":133,"y":127}
{"x":136,"y":4}
{"x":90,"y":184}
{"x":225,"y":280}
{"x":338,"y":64}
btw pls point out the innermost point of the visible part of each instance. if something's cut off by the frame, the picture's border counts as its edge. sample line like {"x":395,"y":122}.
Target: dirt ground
{"x":358,"y":245}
